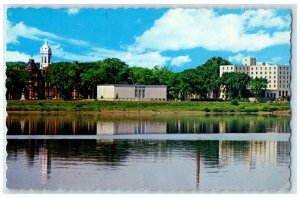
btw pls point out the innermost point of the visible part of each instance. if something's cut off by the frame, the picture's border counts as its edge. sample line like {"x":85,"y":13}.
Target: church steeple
{"x":46,"y":54}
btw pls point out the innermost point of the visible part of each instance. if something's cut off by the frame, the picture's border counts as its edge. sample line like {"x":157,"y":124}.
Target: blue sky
{"x":177,"y":38}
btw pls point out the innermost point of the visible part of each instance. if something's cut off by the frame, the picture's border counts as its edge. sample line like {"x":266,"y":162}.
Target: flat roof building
{"x":131,"y":92}
{"x":278,"y":76}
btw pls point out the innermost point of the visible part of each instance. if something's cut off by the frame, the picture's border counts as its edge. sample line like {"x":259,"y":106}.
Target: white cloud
{"x":147,"y":59}
{"x":73,"y":11}
{"x":265,"y":18}
{"x":21,"y":30}
{"x":131,"y":57}
{"x":191,"y":28}
{"x":236,"y":58}
{"x":180,"y":60}
{"x":13,"y":32}
{"x":15,"y":56}
{"x":276,"y":59}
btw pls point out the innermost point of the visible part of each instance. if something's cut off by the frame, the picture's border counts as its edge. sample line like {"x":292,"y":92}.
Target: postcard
{"x":148,"y":100}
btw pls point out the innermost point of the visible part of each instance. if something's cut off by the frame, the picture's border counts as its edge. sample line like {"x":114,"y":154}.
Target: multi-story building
{"x":278,"y":76}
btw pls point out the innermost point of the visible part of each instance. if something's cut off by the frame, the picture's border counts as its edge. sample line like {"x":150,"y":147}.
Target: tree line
{"x":202,"y":81}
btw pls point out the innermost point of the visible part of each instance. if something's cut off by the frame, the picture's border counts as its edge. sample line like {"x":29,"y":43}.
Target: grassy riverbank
{"x":136,"y":106}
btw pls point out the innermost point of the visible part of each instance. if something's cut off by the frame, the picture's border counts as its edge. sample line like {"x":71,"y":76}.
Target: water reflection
{"x":144,"y":124}
{"x":148,"y":165}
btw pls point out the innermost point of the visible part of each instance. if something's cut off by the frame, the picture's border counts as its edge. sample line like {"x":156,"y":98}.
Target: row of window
{"x":280,"y":86}
{"x":282,"y":92}
{"x":265,"y":72}
{"x":271,"y":95}
{"x":284,"y":77}
{"x":255,"y":68}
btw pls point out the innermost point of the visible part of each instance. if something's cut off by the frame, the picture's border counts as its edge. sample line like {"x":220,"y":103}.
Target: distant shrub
{"x":217,"y":110}
{"x":234,"y":102}
{"x":270,"y":109}
{"x":206,"y":109}
{"x":79,"y":105}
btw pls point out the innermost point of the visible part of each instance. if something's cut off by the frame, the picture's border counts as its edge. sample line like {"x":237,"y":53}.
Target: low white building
{"x":131,"y":92}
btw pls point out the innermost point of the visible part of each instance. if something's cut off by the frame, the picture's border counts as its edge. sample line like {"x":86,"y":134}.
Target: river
{"x":148,"y":153}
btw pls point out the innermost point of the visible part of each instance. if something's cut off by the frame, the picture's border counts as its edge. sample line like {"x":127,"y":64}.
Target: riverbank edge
{"x":286,"y":112}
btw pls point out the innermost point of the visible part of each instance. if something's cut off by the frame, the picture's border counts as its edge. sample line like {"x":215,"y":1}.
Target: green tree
{"x":116,"y":71}
{"x":165,"y":76}
{"x":65,"y":76}
{"x":209,"y":72}
{"x":140,"y":75}
{"x":257,"y":85}
{"x":91,"y":74}
{"x":17,"y":79}
{"x":235,"y":84}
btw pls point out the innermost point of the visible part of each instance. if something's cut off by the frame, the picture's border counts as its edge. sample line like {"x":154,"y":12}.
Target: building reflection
{"x":132,"y":127}
{"x":108,"y":153}
{"x":100,"y":125}
{"x":45,"y":159}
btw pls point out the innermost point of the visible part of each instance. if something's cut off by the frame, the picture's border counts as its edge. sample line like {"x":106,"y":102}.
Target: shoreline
{"x":285,"y":112}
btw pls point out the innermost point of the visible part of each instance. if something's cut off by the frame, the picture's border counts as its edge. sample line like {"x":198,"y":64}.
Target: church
{"x":38,"y":88}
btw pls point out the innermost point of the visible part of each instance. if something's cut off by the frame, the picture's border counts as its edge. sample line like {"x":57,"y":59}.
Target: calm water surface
{"x":141,"y":165}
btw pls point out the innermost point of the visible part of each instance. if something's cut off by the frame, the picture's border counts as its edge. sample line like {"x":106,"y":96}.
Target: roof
{"x":131,"y":85}
{"x":45,"y":47}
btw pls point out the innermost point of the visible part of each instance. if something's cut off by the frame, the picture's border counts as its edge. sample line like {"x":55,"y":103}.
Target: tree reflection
{"x":143,"y":124}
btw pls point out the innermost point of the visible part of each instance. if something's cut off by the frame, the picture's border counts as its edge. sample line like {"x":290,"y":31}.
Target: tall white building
{"x":46,"y":54}
{"x":278,"y":76}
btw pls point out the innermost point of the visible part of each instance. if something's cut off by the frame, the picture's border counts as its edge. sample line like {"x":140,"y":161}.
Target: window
{"x":251,"y":72}
{"x":270,"y":77}
{"x":256,"y":72}
{"x":274,"y":81}
{"x":274,"y":85}
{"x":265,"y":72}
{"x":270,"y":72}
{"x":283,"y":86}
{"x":269,"y":85}
{"x":286,"y":93}
{"x":260,"y":72}
{"x":270,"y":68}
{"x":139,"y":92}
{"x":274,"y":95}
{"x":279,"y":93}
{"x":279,"y":72}
{"x":251,"y":68}
{"x":274,"y":77}
{"x":274,"y":72}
